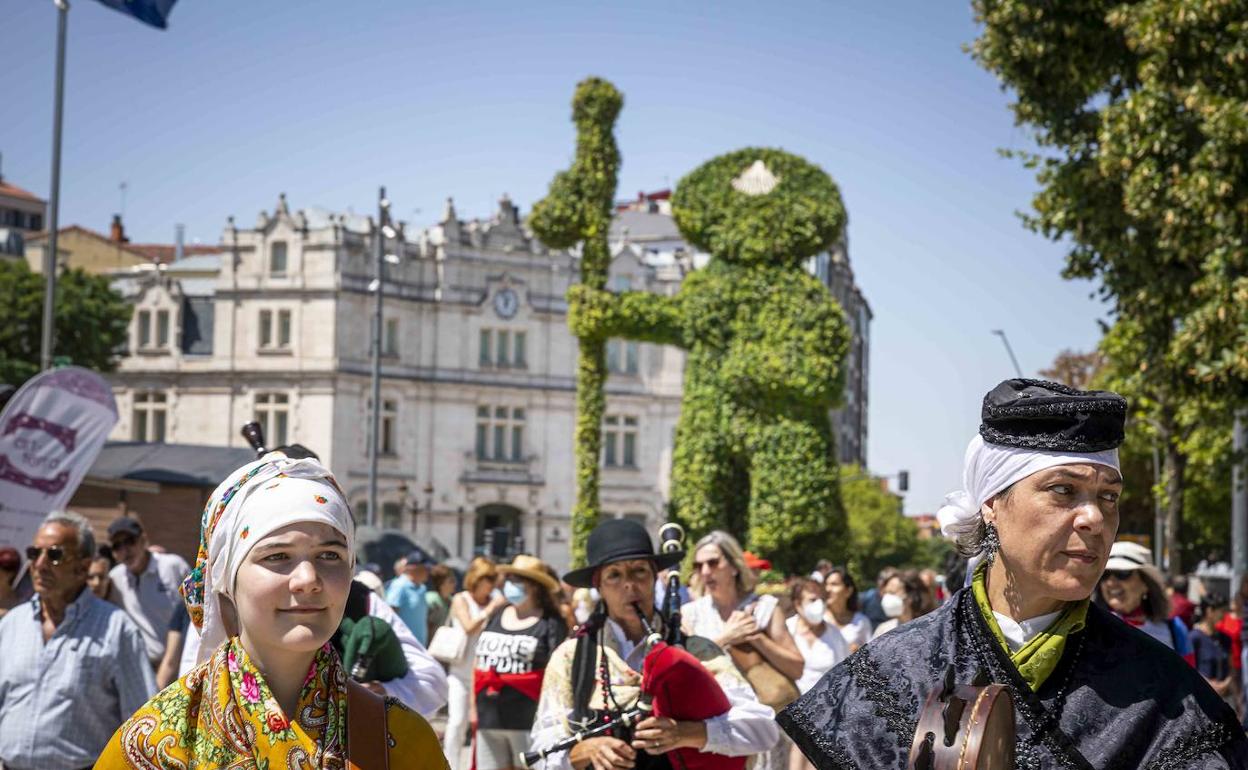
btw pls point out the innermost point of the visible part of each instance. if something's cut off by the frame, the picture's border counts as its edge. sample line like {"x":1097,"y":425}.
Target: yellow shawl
{"x":223,"y":714}
{"x":1037,"y":659}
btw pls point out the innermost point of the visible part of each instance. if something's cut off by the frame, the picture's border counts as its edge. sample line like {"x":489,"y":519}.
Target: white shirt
{"x":423,"y":688}
{"x":747,"y":728}
{"x":150,"y":598}
{"x":1018,"y":633}
{"x":703,"y":618}
{"x":461,"y":669}
{"x":856,"y":632}
{"x":820,"y":655}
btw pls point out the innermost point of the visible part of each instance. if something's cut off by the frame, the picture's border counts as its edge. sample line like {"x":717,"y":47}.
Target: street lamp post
{"x":1001,"y":333}
{"x":379,"y":251}
{"x":47,"y":339}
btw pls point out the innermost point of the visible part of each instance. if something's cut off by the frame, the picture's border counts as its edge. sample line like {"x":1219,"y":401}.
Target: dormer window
{"x":277,"y":259}
{"x":152,"y":330}
{"x":162,"y":329}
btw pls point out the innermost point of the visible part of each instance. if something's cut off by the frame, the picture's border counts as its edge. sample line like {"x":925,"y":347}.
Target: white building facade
{"x":478,"y":370}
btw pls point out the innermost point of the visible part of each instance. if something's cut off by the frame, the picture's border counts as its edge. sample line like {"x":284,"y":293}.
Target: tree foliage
{"x":879,"y":534}
{"x":89,"y":321}
{"x":1141,"y":113}
{"x":578,"y":209}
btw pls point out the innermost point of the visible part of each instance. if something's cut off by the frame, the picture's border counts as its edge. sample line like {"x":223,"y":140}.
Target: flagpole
{"x":49,"y":256}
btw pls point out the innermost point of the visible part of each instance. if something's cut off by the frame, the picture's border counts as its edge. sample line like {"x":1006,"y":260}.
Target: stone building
{"x":21,"y":213}
{"x":478,"y":386}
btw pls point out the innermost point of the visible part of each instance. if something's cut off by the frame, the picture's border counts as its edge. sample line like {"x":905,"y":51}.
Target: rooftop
{"x":13,"y":191}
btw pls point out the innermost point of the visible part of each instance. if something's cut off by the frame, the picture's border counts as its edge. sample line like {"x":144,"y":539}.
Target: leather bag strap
{"x":368,"y":746}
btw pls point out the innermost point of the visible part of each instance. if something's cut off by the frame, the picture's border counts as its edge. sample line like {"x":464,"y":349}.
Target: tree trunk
{"x":1174,"y":467}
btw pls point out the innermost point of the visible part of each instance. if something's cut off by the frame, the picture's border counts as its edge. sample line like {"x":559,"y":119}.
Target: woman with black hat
{"x":600,"y":669}
{"x":1038,"y":513}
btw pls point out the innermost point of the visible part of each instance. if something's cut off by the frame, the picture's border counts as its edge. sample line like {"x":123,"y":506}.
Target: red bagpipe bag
{"x":682,"y":689}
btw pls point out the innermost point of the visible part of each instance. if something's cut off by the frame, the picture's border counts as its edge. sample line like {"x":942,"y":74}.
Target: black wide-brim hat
{"x":618,"y":540}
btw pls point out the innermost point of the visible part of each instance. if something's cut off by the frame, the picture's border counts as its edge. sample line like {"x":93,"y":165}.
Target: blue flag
{"x":154,"y":12}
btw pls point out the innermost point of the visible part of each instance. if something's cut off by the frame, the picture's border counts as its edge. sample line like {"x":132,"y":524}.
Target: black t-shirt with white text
{"x":513,"y":652}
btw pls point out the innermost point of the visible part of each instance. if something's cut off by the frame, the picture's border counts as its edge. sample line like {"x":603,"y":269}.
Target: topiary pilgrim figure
{"x":754,"y":446}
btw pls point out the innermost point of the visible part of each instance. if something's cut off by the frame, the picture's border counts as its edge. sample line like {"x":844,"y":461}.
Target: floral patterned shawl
{"x":223,"y":715}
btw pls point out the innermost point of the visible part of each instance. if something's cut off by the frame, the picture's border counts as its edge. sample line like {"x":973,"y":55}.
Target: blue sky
{"x":325,"y":100}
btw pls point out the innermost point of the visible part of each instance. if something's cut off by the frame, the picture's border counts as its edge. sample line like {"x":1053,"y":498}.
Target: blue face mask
{"x":514,"y":592}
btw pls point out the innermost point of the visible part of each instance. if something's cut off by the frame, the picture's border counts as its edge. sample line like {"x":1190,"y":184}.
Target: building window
{"x":503,"y":348}
{"x":162,"y":329}
{"x":518,"y":358}
{"x":389,"y":419}
{"x":502,"y":351}
{"x":145,"y":328}
{"x":391,"y":515}
{"x":273,"y":414}
{"x":500,"y":433}
{"x":150,"y":412}
{"x":391,"y":347}
{"x":274,"y":329}
{"x":485,"y":360}
{"x":619,"y":441}
{"x":277,"y":258}
{"x":623,"y":356}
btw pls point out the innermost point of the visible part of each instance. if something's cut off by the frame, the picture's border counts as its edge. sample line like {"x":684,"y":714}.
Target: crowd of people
{"x":278,"y":644}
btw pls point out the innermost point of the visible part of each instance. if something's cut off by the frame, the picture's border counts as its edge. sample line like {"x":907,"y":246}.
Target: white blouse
{"x":820,"y":655}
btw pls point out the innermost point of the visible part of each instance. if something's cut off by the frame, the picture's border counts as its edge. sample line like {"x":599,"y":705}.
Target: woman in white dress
{"x":471,"y":609}
{"x":730,"y":613}
{"x":842,"y":604}
{"x":818,"y":640}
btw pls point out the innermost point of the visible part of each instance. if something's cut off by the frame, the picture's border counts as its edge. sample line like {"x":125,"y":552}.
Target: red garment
{"x":1231,"y":626}
{"x":530,"y":684}
{"x":1182,"y":608}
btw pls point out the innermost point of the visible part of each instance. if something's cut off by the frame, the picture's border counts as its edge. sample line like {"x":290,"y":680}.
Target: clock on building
{"x":506,"y":303}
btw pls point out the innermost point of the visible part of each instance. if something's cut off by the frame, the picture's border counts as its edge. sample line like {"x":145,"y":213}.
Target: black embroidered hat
{"x":1049,"y":416}
{"x":618,"y":540}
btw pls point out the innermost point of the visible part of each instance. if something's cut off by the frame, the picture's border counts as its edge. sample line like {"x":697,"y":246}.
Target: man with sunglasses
{"x":73,"y":666}
{"x":147,"y":582}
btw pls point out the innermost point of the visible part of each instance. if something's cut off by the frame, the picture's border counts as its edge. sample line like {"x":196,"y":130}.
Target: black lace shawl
{"x":1117,"y":700}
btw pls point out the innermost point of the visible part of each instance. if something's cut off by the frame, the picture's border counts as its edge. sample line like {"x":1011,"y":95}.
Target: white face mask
{"x":812,"y":611}
{"x":892,"y":605}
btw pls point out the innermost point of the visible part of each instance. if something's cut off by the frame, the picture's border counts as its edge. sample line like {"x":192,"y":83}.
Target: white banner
{"x":51,"y":431}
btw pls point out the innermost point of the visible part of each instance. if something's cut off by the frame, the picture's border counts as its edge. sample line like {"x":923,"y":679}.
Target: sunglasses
{"x":1119,"y":574}
{"x":56,"y":554}
{"x":712,"y":562}
{"x":125,"y":541}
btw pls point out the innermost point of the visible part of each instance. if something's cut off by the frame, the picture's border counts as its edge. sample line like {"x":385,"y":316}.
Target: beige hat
{"x":1126,"y":556}
{"x":532,"y":568}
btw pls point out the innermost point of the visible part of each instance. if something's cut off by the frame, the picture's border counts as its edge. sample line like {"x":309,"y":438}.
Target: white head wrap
{"x":990,"y":468}
{"x":255,"y":501}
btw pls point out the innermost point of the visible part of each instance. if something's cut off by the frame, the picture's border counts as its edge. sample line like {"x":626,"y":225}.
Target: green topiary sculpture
{"x":754,"y":447}
{"x":578,"y":210}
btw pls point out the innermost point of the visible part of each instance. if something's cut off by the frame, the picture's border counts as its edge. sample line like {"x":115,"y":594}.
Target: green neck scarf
{"x":1037,"y":659}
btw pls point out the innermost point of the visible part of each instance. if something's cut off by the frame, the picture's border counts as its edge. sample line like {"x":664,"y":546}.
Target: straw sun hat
{"x":532,"y":568}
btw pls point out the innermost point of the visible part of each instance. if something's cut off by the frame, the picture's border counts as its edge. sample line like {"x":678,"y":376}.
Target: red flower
{"x":320,"y":499}
{"x":277,"y":722}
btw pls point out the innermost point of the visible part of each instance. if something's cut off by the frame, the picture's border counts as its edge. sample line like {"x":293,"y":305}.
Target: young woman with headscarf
{"x":267,"y":592}
{"x":1038,"y":512}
